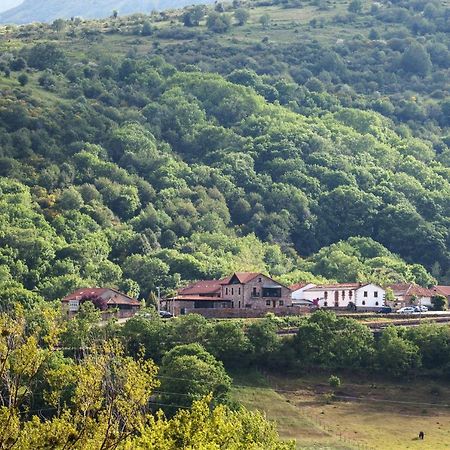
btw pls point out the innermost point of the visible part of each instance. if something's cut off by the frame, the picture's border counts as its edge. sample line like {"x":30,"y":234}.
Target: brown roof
{"x":201,"y":287}
{"x":123,"y":301}
{"x":443,"y":290}
{"x":118,"y":298}
{"x":339,"y":286}
{"x":412,"y":289}
{"x":297,"y":286}
{"x":243,"y":277}
{"x":194,"y":297}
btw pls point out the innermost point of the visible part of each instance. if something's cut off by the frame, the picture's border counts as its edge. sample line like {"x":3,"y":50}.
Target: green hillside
{"x":306,"y":140}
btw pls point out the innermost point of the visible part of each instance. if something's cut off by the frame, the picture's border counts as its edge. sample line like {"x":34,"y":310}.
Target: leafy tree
{"x":264,"y":20}
{"x":228,"y":342}
{"x":147,"y":29}
{"x":193,"y":16}
{"x":439,"y":303}
{"x":416,"y":60}
{"x":23,"y":79}
{"x":355,"y":6}
{"x":396,"y":355}
{"x":189,"y":372}
{"x":219,"y":23}
{"x":242,"y":16}
{"x":46,"y":56}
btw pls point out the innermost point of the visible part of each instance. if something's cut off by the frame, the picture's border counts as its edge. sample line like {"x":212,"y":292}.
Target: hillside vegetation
{"x":306,"y":140}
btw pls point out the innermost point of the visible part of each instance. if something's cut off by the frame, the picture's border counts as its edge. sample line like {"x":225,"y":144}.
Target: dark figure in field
{"x":421,"y":435}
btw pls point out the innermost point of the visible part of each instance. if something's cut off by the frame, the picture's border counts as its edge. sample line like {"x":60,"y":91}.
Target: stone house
{"x":239,"y":291}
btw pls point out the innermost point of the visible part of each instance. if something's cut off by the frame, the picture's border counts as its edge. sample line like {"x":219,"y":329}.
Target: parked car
{"x":165,"y":314}
{"x":384,"y":310}
{"x":420,"y":308}
{"x":406,"y":310}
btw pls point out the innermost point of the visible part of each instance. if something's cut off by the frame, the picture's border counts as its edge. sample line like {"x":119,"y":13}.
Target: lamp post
{"x":158,"y":306}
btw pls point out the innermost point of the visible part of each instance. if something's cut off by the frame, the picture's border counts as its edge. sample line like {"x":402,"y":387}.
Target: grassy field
{"x":365,"y":414}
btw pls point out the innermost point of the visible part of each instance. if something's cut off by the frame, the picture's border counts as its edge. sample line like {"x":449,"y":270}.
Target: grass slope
{"x":390,"y":416}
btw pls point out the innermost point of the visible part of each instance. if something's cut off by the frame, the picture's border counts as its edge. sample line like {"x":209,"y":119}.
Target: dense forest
{"x":307,"y":140}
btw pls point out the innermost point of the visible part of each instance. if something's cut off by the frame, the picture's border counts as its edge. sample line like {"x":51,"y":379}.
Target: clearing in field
{"x":364,"y":414}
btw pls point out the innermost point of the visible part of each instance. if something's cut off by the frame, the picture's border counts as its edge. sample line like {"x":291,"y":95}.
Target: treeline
{"x":324,"y":341}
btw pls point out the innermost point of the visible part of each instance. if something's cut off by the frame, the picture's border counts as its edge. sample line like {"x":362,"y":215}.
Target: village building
{"x":298,"y":298}
{"x":411,"y":294}
{"x":106,"y":299}
{"x":240,"y":291}
{"x":356,"y":296}
{"x":442,"y":290}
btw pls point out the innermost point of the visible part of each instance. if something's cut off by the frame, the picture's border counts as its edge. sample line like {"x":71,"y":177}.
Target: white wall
{"x":374,"y":296}
{"x":299,"y":294}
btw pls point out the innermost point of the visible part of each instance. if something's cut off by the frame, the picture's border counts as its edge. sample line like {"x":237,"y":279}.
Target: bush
{"x":439,"y":303}
{"x":334,"y":381}
{"x":23,"y":79}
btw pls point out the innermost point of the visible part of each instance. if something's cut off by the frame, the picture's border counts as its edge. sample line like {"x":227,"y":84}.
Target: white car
{"x":407,"y":310}
{"x":421,"y":308}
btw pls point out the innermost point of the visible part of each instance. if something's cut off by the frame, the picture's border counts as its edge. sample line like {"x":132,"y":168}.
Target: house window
{"x":239,"y":291}
{"x":259,"y":280}
{"x":267,"y":302}
{"x":226,"y":291}
{"x":254,"y":293}
{"x":365,"y":293}
{"x":375,"y":294}
{"x":325,"y":303}
{"x":232,"y":291}
{"x":325,"y":294}
{"x":281,"y":303}
{"x":343,"y":294}
{"x":363,"y":302}
{"x":376,"y":303}
{"x":350,"y":294}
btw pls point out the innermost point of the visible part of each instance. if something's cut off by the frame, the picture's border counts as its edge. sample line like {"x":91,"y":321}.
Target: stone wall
{"x":233,"y":313}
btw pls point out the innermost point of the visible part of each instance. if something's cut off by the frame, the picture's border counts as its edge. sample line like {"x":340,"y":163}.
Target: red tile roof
{"x":338,"y":286}
{"x":119,"y":298}
{"x":243,"y":277}
{"x":412,"y":289}
{"x":193,"y":297}
{"x":297,"y":286}
{"x":202,"y":287}
{"x":443,"y":290}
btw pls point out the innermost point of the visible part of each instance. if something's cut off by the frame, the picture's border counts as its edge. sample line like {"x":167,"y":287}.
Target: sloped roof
{"x":443,"y":290}
{"x":297,"y":286}
{"x":201,"y":287}
{"x":243,"y":277}
{"x":412,"y":289}
{"x":85,"y":292}
{"x":119,"y":298}
{"x":321,"y":287}
{"x":193,"y":297}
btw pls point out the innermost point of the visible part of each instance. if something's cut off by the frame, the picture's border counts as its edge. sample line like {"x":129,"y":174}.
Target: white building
{"x":298,"y":297}
{"x":362,"y":296}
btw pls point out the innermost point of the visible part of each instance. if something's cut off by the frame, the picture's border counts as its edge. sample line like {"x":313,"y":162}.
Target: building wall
{"x":374,"y":296}
{"x":231,"y":313}
{"x":327,"y":297}
{"x":341,"y":297}
{"x":243,"y":295}
{"x":299,"y":294}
